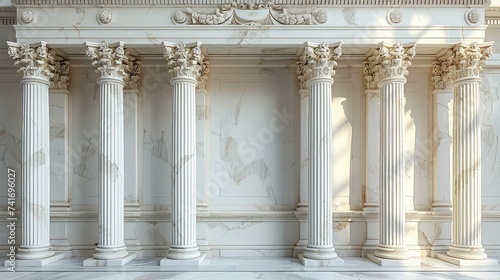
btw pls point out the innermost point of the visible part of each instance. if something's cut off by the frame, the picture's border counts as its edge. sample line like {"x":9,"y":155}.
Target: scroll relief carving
{"x":250,"y":14}
{"x":33,"y":61}
{"x":317,"y":61}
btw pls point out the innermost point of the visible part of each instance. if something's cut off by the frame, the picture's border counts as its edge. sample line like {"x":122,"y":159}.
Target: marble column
{"x":36,"y":65}
{"x":442,"y":98}
{"x":110,"y":251}
{"x":466,"y":248}
{"x":393,"y":61}
{"x":318,"y":62}
{"x":371,"y":188}
{"x":184,"y":63}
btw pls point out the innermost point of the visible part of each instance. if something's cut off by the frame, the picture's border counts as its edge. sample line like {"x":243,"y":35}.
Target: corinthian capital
{"x":184,"y":60}
{"x":132,"y":68}
{"x":60,"y":80}
{"x":108,"y":58}
{"x":395,"y":59}
{"x":442,"y":71}
{"x":33,"y":61}
{"x":371,"y":70}
{"x":318,"y":60}
{"x":468,"y":61}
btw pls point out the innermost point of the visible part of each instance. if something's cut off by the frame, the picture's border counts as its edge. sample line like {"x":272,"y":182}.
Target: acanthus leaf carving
{"x":60,"y":80}
{"x":184,"y":60}
{"x":318,"y":60}
{"x":33,"y":61}
{"x":442,"y":71}
{"x":370,"y":70}
{"x":107,"y":58}
{"x":468,"y":61}
{"x":394,"y":60}
{"x":250,"y":14}
{"x":132,"y":69}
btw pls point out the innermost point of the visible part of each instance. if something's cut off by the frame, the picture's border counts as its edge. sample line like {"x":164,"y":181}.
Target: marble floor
{"x":251,"y":268}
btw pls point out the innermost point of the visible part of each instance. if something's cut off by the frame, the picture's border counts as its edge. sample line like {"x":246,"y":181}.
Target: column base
{"x":467,"y":252}
{"x":110,"y":253}
{"x":392,"y":252}
{"x":188,"y":262}
{"x":390,"y":262}
{"x":35,"y":262}
{"x":111,"y":262}
{"x":34,"y":253}
{"x":183,"y":253}
{"x":320,"y":253}
{"x":463,"y":262}
{"x":315,"y":263}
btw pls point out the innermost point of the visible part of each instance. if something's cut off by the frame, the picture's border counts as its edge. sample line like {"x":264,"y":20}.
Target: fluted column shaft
{"x":466,"y":238}
{"x":320,"y":245}
{"x":392,"y":210}
{"x":184,"y":170}
{"x":111,"y":169}
{"x":36,"y":170}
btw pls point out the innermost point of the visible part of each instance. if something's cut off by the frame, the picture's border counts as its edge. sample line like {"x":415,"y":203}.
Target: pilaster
{"x":110,"y":250}
{"x":442,"y":100}
{"x":317,"y":64}
{"x":372,"y":136}
{"x":184,"y":63}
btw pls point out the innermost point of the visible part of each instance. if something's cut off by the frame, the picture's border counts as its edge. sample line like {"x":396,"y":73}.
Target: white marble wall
{"x":252,"y":159}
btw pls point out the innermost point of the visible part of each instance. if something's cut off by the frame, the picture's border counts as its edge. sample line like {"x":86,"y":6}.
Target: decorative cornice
{"x":393,"y":60}
{"x":184,"y":60}
{"x":107,"y":58}
{"x":318,"y":60}
{"x":442,"y":71}
{"x":34,"y":60}
{"x":132,"y":68}
{"x":60,"y":80}
{"x":175,"y":3}
{"x":468,"y":60}
{"x":249,"y":14}
{"x":370,"y":70}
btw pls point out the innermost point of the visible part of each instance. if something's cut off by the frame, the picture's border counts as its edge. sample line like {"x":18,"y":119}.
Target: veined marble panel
{"x":253,"y":151}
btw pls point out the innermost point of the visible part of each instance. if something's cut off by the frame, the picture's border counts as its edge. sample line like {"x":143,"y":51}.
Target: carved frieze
{"x":468,"y":60}
{"x":249,"y":14}
{"x":33,"y":61}
{"x":107,"y":58}
{"x":184,"y":60}
{"x":318,"y":60}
